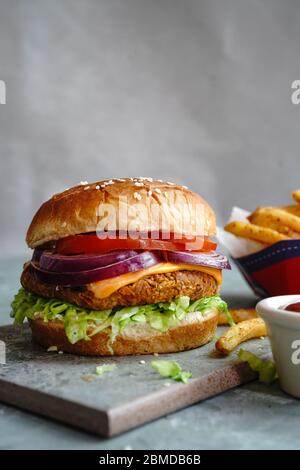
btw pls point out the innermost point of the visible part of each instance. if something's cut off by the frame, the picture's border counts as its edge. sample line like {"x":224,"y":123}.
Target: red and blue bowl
{"x":274,"y":270}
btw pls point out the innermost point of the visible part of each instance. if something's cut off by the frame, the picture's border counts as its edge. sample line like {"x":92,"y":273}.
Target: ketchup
{"x":293,"y":307}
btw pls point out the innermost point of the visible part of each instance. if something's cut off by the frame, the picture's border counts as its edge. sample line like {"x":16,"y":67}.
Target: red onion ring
{"x":210,"y":259}
{"x":76,"y":263}
{"x":37,"y":254}
{"x":143,"y":260}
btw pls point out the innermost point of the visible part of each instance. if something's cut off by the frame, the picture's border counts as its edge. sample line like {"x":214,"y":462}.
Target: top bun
{"x":76,"y":210}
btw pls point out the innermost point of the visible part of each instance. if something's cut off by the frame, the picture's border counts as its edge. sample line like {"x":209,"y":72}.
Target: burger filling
{"x":81,"y":323}
{"x":92,"y":292}
{"x":151,"y":289}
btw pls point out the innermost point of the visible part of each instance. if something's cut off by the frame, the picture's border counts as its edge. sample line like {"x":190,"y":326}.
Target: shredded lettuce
{"x":230,"y":319}
{"x":81,"y":323}
{"x":172,"y":370}
{"x":266,"y":369}
{"x":100,"y":370}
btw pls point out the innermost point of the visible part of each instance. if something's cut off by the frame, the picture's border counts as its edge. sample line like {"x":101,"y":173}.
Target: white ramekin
{"x":284,"y":333}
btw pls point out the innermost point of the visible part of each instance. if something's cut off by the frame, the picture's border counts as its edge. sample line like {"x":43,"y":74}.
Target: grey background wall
{"x":192,"y":91}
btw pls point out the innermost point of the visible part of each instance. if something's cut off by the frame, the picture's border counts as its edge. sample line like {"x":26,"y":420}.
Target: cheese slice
{"x":105,"y":288}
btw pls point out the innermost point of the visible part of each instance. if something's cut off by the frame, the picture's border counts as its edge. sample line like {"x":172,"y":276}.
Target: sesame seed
{"x":60,"y":352}
{"x":138,"y":184}
{"x":160,"y":181}
{"x":83,"y":183}
{"x":137,"y":196}
{"x":86,"y":187}
{"x":122,"y":180}
{"x":97,"y":187}
{"x":149,"y":179}
{"x":172,"y":184}
{"x":184,"y":187}
{"x":157,"y":190}
{"x":142,"y":362}
{"x":149,"y":193}
{"x":102,"y":185}
{"x":155,"y":354}
{"x":64,"y":224}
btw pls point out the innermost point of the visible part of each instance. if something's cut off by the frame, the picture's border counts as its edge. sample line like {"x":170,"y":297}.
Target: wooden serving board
{"x":65,"y":388}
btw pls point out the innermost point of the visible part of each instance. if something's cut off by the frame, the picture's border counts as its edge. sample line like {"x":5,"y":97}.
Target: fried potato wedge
{"x":239,"y":333}
{"x":296,"y":195}
{"x":264,"y":235}
{"x":238,"y":315}
{"x":276,"y":219}
{"x":292,"y":209}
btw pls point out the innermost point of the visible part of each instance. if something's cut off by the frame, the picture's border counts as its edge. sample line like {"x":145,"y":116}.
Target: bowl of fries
{"x":265,"y":245}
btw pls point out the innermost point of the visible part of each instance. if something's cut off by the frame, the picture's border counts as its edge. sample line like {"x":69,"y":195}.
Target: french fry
{"x":292,"y":209}
{"x":296,"y":195}
{"x":238,"y":315}
{"x":276,"y":219}
{"x":264,"y":235}
{"x":239,"y":333}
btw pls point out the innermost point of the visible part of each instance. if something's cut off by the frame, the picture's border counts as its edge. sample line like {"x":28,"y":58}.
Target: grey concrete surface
{"x":253,"y":416}
{"x":65,"y":387}
{"x":195,"y":91}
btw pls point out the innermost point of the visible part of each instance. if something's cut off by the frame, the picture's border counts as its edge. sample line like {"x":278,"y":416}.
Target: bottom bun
{"x":194,"y":331}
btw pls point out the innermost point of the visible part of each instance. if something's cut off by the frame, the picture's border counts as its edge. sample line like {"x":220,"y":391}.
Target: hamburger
{"x":120,"y":267}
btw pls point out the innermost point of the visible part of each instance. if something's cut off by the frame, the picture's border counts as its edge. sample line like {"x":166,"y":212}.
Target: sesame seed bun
{"x":194,"y":331}
{"x":76,"y":210}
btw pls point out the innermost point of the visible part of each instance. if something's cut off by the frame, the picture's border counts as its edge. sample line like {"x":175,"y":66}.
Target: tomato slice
{"x":90,"y":243}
